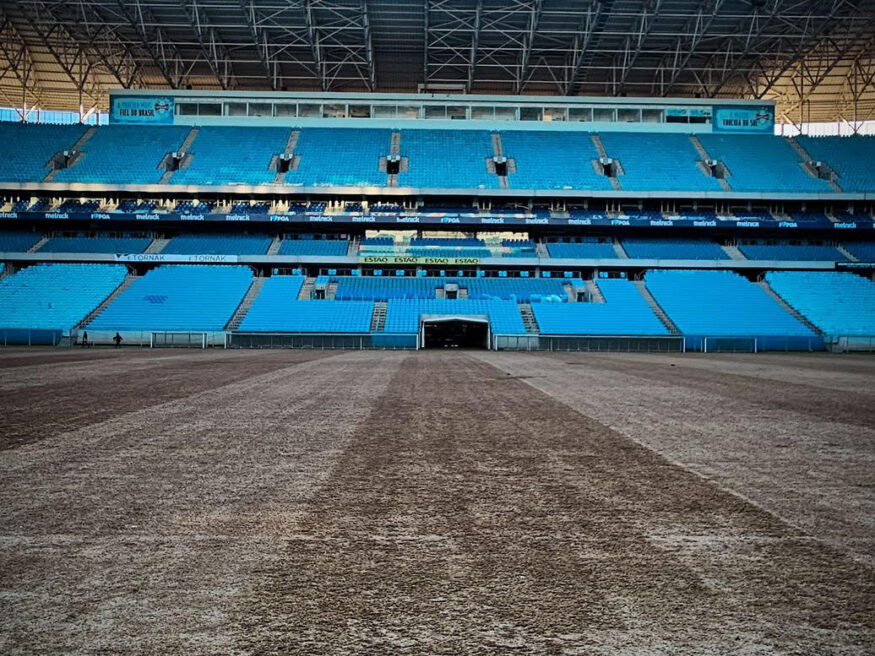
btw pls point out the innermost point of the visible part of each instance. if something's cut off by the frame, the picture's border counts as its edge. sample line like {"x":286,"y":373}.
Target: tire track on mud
{"x":474,"y":514}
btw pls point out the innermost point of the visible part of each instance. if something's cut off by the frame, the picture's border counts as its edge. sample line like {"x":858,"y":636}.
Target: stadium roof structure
{"x":815,"y":57}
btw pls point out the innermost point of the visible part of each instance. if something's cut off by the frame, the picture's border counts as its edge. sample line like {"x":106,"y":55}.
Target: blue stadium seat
{"x":18,"y":242}
{"x":674,"y":249}
{"x":178,"y":298}
{"x":720,"y":303}
{"x":95,"y":244}
{"x":657,"y":162}
{"x":791,"y":251}
{"x":586,"y":249}
{"x":850,"y":157}
{"x":25,"y":149}
{"x":403,"y":315}
{"x":325,"y":247}
{"x":447,"y":159}
{"x":761,"y":163}
{"x":345,"y":157}
{"x":224,"y":155}
{"x":218,"y":245}
{"x":839,"y":304}
{"x":624,"y":312}
{"x":121,"y":154}
{"x":552,"y":160}
{"x":56,"y":296}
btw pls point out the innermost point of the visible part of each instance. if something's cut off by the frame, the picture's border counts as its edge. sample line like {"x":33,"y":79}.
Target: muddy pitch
{"x":282,"y":502}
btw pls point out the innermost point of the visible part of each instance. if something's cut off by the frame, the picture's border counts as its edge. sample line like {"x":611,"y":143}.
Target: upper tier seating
{"x":119,"y":154}
{"x":657,"y":162}
{"x":218,"y":245}
{"x":326,"y":247}
{"x":277,"y":310}
{"x":518,"y":248}
{"x":56,"y":296}
{"x":840,"y":304}
{"x":850,"y":157}
{"x":761,"y":163}
{"x":624,"y":312}
{"x":862,"y":250}
{"x":340,"y":156}
{"x":447,"y":158}
{"x":587,"y":249}
{"x":788,"y":251}
{"x":552,"y":160}
{"x":403,"y":315}
{"x":224,"y":155}
{"x":837,"y":303}
{"x":95,"y":245}
{"x":674,"y":249}
{"x":18,"y":242}
{"x":26,"y":149}
{"x":720,"y":303}
{"x":176,"y":298}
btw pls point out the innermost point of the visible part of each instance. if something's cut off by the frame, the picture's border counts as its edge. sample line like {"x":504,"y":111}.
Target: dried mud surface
{"x":434,"y":503}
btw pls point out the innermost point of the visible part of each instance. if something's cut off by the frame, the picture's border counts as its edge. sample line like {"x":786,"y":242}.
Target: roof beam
{"x":644,"y":24}
{"x":475,"y":43}
{"x":369,"y":47}
{"x":161,"y":50}
{"x":699,"y":26}
{"x":261,"y":43}
{"x":214,"y":50}
{"x":315,"y":47}
{"x":582,"y":42}
{"x":19,"y":62}
{"x":537,"y":7}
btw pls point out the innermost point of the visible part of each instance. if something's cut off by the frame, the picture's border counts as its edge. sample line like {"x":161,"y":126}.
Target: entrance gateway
{"x":454,"y":331}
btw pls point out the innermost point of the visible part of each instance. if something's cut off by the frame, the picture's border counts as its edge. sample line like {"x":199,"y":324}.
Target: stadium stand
{"x":624,"y":312}
{"x":720,"y":303}
{"x":28,"y":163}
{"x":587,"y":248}
{"x":118,"y":154}
{"x":674,"y":249}
{"x":380,"y":288}
{"x":18,"y":242}
{"x":447,"y":158}
{"x":863,"y":251}
{"x":55,"y":296}
{"x":344,"y":157}
{"x":218,"y":245}
{"x":785,"y":250}
{"x":277,"y":310}
{"x":95,"y":244}
{"x":550,"y":160}
{"x":761,"y":163}
{"x":657,"y":162}
{"x":850,"y":157}
{"x":839,"y":304}
{"x":326,"y":247}
{"x":224,"y":155}
{"x":403,"y":315}
{"x":178,"y":298}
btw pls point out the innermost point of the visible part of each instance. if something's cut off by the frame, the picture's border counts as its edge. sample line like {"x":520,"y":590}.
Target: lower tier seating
{"x":863,"y":251}
{"x":383,"y":288}
{"x":837,"y":303}
{"x":721,"y":303}
{"x":277,"y":310}
{"x":55,"y":296}
{"x":324,"y":247}
{"x":583,"y":250}
{"x":403,"y":315}
{"x":624,"y":312}
{"x":178,"y":298}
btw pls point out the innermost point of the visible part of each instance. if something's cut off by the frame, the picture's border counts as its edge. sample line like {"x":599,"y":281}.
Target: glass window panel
{"x":603,"y":114}
{"x":555,"y":113}
{"x":384,"y":111}
{"x":308,"y":110}
{"x":236,"y":108}
{"x":435,"y":111}
{"x":260,"y":109}
{"x":628,"y":115}
{"x":210,"y":109}
{"x":186,"y":109}
{"x":530,"y":113}
{"x":651,"y":115}
{"x":580,"y":114}
{"x":457,"y":112}
{"x":334,"y":111}
{"x":285,"y":109}
{"x":408,"y":111}
{"x":480,"y":112}
{"x":505,"y":113}
{"x":360,"y":111}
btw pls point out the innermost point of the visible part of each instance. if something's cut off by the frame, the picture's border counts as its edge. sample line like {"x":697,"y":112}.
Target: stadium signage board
{"x":406,"y":259}
{"x":632,"y":221}
{"x":176,"y":259}
{"x":141,"y":110}
{"x":758,"y":119}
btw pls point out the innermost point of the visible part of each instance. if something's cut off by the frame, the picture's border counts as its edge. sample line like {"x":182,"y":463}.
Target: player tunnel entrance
{"x":469,"y":332}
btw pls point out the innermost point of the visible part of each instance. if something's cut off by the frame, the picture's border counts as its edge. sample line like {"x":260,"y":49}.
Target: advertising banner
{"x":142,"y":110}
{"x":758,"y":119}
